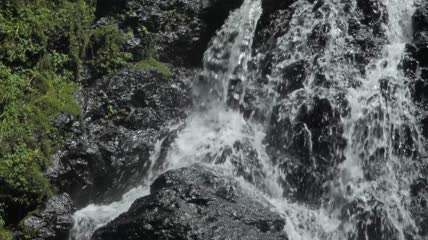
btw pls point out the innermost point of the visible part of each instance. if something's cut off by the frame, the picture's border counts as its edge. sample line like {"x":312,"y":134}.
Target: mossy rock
{"x":152,"y":63}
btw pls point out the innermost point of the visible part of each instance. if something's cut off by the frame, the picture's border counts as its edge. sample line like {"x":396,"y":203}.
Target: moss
{"x":152,"y":63}
{"x":5,"y":234}
{"x":107,"y":47}
{"x":42,"y":45}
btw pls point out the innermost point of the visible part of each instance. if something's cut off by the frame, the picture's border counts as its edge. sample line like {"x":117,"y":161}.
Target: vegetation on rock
{"x":107,"y":45}
{"x":152,"y":63}
{"x":43,"y":46}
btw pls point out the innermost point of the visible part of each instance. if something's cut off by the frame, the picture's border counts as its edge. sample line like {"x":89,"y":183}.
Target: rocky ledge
{"x":195,"y":203}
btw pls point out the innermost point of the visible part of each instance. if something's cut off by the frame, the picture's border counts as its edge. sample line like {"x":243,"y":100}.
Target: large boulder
{"x":124,"y":115}
{"x":53,"y":222}
{"x":195,"y":203}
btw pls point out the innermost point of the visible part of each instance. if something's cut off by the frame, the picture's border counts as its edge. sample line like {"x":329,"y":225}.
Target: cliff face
{"x":314,"y":82}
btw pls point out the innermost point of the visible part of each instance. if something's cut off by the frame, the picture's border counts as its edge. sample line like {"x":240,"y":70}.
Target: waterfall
{"x":370,"y":177}
{"x":210,"y":129}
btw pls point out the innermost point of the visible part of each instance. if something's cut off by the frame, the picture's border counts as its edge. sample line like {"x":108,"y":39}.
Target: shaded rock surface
{"x":124,"y":116}
{"x":195,"y":203}
{"x":54,"y":221}
{"x":415,"y":67}
{"x":307,"y":141}
{"x":183,"y":28}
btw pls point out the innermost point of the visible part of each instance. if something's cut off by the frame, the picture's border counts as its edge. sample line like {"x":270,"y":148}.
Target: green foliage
{"x":107,"y":47}
{"x":152,"y":63}
{"x":5,"y":234}
{"x":21,"y":173}
{"x":42,"y":44}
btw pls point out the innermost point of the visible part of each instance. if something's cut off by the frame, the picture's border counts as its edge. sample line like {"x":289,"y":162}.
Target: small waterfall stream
{"x":382,"y":139}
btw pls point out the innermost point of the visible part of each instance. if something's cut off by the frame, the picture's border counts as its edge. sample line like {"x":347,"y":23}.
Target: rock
{"x":293,"y":78}
{"x":53,"y":222}
{"x":420,"y":17}
{"x":195,"y":203}
{"x":373,"y":13}
{"x":183,"y":27}
{"x":425,"y":127}
{"x":312,"y":142}
{"x":371,"y":220}
{"x":124,"y":116}
{"x":419,"y":198}
{"x":108,"y":7}
{"x":415,"y":63}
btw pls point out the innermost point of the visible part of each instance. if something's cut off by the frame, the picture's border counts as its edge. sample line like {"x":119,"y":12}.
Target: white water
{"x":212,"y":132}
{"x":207,"y":133}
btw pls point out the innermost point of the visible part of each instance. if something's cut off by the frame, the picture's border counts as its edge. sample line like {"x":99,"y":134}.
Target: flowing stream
{"x":380,"y":128}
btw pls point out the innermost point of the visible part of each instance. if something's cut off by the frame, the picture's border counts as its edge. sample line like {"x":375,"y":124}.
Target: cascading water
{"x":383,"y":139}
{"x":370,"y":177}
{"x":212,"y":133}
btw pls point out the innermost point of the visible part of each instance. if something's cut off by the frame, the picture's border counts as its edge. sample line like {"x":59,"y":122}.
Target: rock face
{"x":124,"y":116}
{"x":307,"y":140}
{"x":183,"y":28}
{"x":54,"y":221}
{"x":195,"y":203}
{"x":415,"y":66}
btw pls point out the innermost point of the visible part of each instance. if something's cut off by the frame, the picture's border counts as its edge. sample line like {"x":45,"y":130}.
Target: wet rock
{"x":425,"y":127}
{"x":273,"y":23}
{"x":183,"y":28}
{"x":419,"y":196}
{"x":409,"y":64}
{"x":415,"y":64}
{"x":313,"y":141}
{"x":124,"y":116}
{"x":293,"y":77}
{"x":245,"y":160}
{"x":373,"y":13}
{"x":53,"y":222}
{"x":371,"y":220}
{"x":195,"y":203}
{"x":108,"y":7}
{"x":420,"y":17}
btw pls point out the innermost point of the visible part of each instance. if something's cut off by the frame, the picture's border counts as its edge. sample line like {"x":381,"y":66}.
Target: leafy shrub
{"x":42,"y":44}
{"x":108,"y":52}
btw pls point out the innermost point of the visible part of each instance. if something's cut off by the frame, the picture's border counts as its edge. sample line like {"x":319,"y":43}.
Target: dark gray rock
{"x":306,"y":141}
{"x":419,"y":194}
{"x":124,"y":115}
{"x":415,"y":64}
{"x":420,"y":18}
{"x":108,"y":7}
{"x":183,"y":27}
{"x":371,"y":220}
{"x":54,"y":221}
{"x":313,"y":142}
{"x":195,"y":203}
